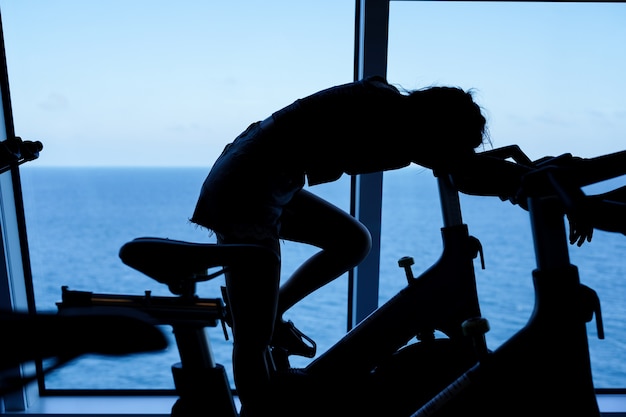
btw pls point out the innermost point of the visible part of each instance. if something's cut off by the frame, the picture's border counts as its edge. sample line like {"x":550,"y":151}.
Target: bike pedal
{"x":292,"y":341}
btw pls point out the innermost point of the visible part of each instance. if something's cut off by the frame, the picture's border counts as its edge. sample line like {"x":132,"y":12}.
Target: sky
{"x":164,"y":83}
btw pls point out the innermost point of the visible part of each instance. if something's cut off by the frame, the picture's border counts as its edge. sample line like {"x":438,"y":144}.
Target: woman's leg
{"x":344,"y":243}
{"x":252,"y":288}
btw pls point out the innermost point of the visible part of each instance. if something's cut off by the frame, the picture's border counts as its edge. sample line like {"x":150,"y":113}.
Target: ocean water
{"x":78,"y":218}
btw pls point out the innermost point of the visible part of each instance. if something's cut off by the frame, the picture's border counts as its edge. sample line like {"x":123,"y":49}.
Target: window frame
{"x":16,"y":290}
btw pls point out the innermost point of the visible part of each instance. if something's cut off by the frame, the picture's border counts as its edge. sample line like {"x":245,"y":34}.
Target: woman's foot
{"x":288,"y":338}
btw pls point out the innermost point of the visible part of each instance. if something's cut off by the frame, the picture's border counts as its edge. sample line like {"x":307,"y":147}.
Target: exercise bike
{"x":375,"y":362}
{"x":544,"y":369}
{"x":61,"y":338}
{"x":369,"y":358}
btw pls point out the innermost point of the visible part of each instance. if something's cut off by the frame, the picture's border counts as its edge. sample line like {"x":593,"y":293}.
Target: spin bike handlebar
{"x":563,"y":177}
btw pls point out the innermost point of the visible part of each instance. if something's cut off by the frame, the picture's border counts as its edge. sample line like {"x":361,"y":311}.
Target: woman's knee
{"x":356,"y":241}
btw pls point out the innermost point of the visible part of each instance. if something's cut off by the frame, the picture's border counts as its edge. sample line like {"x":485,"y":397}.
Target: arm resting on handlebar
{"x":487,"y":175}
{"x":491,"y":174}
{"x":586,"y":171}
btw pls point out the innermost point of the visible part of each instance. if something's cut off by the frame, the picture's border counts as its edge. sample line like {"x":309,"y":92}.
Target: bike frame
{"x":545,"y":367}
{"x":441,"y":298}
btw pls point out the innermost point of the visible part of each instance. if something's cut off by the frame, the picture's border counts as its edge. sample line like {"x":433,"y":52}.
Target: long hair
{"x":450,"y":116}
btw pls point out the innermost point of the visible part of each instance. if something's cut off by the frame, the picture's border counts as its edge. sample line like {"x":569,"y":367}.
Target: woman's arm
{"x":486,"y":175}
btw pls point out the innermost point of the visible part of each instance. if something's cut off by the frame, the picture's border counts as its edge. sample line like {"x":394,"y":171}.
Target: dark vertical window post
{"x":371,"y":31}
{"x":16,"y":293}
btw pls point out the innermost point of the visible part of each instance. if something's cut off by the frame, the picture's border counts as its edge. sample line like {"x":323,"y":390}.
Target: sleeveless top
{"x":354,"y":128}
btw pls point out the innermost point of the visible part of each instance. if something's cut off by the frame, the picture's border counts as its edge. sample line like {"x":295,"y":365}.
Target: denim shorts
{"x":247,"y":188}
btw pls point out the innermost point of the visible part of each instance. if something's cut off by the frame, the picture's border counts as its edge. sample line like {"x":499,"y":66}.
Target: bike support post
{"x":201,"y":383}
{"x":548,"y":360}
{"x":548,"y":229}
{"x":450,"y":203}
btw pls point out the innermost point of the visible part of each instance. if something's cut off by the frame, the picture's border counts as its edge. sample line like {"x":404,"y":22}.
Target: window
{"x":133,"y":101}
{"x":550,"y":78}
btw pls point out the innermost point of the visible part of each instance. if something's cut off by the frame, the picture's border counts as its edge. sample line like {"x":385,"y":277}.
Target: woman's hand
{"x":579,"y":231}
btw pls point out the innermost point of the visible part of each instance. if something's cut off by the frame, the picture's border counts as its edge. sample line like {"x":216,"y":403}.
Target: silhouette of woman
{"x":254,"y":194}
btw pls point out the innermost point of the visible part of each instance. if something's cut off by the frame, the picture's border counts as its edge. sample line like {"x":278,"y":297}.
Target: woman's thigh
{"x":310,"y":219}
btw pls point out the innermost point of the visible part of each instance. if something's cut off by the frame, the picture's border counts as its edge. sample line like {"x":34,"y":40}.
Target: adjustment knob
{"x":406,"y":262}
{"x":475,"y":328}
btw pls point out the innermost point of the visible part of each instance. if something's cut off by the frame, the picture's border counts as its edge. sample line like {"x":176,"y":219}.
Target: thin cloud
{"x":55,"y":102}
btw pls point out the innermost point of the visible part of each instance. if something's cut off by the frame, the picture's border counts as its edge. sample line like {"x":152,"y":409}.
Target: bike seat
{"x":172,"y":262}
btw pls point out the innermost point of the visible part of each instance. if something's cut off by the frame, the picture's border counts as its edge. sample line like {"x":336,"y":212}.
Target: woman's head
{"x":449,"y":119}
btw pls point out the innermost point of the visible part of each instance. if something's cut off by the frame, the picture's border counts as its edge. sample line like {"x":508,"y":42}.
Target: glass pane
{"x":133,"y":101}
{"x":550,"y":78}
